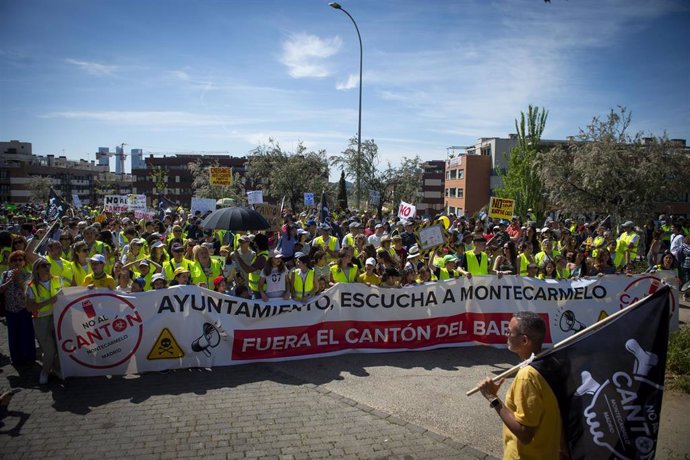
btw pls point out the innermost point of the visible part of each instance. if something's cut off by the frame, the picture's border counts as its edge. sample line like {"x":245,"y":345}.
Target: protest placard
{"x":203,"y":205}
{"x":221,"y":176}
{"x":124,"y":203}
{"x":406,"y":210}
{"x":501,"y":208}
{"x":255,"y":197}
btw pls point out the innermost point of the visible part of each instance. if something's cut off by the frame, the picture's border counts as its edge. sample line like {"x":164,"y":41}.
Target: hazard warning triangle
{"x":602,"y":315}
{"x":166,"y":347}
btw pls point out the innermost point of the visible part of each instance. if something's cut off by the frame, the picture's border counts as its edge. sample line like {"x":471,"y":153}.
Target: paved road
{"x":394,"y":405}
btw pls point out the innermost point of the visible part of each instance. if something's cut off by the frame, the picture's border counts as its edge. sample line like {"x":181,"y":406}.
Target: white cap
{"x":371,"y":261}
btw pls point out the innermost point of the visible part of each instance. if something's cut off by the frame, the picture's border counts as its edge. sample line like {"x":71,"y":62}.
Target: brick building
{"x":431,"y":199}
{"x":19,"y":167}
{"x":179,"y":178}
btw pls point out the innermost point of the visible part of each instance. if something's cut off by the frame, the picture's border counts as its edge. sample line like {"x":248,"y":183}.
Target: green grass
{"x":678,"y":360}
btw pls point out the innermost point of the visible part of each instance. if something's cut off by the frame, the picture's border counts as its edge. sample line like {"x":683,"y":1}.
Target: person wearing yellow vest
{"x":446,"y":268}
{"x":143,"y":270}
{"x":344,"y":271}
{"x":98,"y":278}
{"x":59,"y":266}
{"x":547,"y":253}
{"x":598,"y":241}
{"x":526,"y":257}
{"x":329,"y":244}
{"x":349,"y":239}
{"x":302,"y":284}
{"x":178,"y":260}
{"x":42,"y":293}
{"x":205,"y":269}
{"x":626,"y":245}
{"x":476,"y":261}
{"x":253,"y":269}
{"x":80,"y":262}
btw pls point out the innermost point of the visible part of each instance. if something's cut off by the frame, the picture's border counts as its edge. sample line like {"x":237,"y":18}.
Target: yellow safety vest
{"x":64,"y":271}
{"x":199,"y":275}
{"x":303,"y":288}
{"x":170,"y":266}
{"x":80,"y":273}
{"x":476,"y":267}
{"x":332,"y":244}
{"x":524,"y":262}
{"x":147,"y":278}
{"x":41,"y":295}
{"x":339,"y":276}
{"x":622,"y":246}
{"x":256,"y":274}
{"x":539,"y":258}
{"x":597,"y":243}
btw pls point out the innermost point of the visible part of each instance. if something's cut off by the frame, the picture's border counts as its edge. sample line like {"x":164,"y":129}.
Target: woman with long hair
{"x":80,"y":262}
{"x":506,"y":262}
{"x":274,"y":278}
{"x":41,"y":294}
{"x":344,"y":271}
{"x":20,"y":329}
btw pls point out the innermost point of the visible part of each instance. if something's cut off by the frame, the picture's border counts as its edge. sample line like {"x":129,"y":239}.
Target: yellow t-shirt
{"x":374,"y":279}
{"x":533,"y":404}
{"x":106,"y":282}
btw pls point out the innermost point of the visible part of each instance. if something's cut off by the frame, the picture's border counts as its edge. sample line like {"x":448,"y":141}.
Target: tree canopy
{"x":283,"y":174}
{"x":605,"y":170}
{"x":521,"y":180}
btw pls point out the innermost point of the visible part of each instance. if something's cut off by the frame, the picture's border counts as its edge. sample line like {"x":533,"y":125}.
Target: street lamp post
{"x":359,"y":125}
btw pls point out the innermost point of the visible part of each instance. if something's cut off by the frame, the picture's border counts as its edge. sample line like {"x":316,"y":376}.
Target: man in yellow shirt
{"x":99,"y":278}
{"x":531,"y":419}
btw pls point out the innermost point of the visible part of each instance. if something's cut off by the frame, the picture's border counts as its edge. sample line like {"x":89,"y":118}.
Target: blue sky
{"x":174,"y":76}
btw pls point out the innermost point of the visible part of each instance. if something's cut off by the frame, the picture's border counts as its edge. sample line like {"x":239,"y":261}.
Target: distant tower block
{"x":138,"y":159}
{"x":103,"y":156}
{"x":119,"y":164}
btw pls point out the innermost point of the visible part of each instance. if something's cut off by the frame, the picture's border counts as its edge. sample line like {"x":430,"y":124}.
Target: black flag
{"x":163,"y":204}
{"x":609,"y":382}
{"x":57,"y":207}
{"x":324,"y":213}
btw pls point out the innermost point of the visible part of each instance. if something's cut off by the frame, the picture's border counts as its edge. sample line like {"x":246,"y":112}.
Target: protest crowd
{"x":309,"y":253}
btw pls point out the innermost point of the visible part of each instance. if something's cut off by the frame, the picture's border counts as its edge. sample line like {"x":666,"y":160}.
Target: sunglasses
{"x":17,"y":259}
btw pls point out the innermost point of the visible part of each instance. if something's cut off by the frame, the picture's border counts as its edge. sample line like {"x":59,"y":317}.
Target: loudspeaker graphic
{"x":569,"y":323}
{"x":210,"y":338}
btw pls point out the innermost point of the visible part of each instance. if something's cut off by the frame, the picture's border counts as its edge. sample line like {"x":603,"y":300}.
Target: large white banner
{"x":100,"y":332}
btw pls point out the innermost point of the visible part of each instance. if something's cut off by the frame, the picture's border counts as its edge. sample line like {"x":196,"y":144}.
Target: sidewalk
{"x":394,"y":405}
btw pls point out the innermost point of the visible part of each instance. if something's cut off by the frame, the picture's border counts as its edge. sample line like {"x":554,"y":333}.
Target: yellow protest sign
{"x":501,"y":208}
{"x":166,"y":347}
{"x":221,"y":176}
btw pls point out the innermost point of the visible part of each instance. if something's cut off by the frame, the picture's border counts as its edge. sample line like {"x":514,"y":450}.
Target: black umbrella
{"x":235,"y":219}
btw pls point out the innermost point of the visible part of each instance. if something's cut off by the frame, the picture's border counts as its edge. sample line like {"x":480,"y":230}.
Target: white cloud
{"x":352,"y":82}
{"x":305,"y":55}
{"x":152,"y":118}
{"x":93,"y":68}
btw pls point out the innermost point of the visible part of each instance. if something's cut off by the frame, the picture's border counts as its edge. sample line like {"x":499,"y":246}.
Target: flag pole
{"x":596,"y":326}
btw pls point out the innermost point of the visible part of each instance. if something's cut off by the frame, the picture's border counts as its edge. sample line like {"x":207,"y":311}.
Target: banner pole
{"x":598,"y":325}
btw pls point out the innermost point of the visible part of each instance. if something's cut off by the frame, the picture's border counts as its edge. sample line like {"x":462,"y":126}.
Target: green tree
{"x":283,"y":174}
{"x":159,"y":177}
{"x":342,"y":192}
{"x":39,"y":188}
{"x":201,"y":172}
{"x":521,"y":180}
{"x":395,"y":184}
{"x":607,"y":171}
{"x":360,"y":167}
